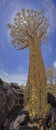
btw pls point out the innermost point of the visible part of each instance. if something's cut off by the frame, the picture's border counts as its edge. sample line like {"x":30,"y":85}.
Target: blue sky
{"x":13,"y":63}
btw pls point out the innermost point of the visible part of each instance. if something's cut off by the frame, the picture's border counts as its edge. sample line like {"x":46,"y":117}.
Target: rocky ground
{"x":12,"y":114}
{"x":11,"y":99}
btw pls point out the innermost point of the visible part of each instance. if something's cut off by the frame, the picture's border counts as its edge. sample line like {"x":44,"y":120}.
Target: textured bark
{"x":35,"y":92}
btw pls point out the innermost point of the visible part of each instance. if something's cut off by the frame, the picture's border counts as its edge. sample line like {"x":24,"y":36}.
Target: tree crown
{"x":26,"y":24}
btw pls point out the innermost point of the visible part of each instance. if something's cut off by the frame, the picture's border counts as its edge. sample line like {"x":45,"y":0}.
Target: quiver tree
{"x":29,"y":30}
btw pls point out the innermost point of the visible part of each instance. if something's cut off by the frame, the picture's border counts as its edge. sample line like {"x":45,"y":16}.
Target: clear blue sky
{"x":13,"y":63}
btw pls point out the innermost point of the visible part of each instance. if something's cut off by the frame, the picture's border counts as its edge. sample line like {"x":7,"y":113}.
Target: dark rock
{"x":51,"y":99}
{"x":28,"y":128}
{"x":22,"y":119}
{"x":21,"y":122}
{"x":51,"y":118}
{"x":11,"y":97}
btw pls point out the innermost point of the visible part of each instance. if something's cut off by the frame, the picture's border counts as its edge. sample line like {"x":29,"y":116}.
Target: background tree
{"x":50,"y":75}
{"x":29,"y":30}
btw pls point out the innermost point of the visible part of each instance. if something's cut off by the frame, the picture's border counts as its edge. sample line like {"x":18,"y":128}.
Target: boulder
{"x":11,"y":96}
{"x":51,"y":99}
{"x":22,"y":122}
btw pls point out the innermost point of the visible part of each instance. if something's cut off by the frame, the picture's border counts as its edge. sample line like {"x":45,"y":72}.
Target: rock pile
{"x":11,"y":96}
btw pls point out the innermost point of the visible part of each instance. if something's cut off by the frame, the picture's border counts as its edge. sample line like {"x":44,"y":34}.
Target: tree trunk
{"x":35,"y":94}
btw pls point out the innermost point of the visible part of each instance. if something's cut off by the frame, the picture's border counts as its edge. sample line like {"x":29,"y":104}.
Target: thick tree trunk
{"x":35,"y":93}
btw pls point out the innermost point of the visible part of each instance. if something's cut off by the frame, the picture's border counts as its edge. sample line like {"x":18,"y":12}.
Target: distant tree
{"x":54,"y":76}
{"x":50,"y":75}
